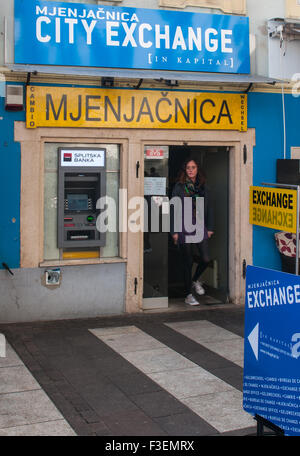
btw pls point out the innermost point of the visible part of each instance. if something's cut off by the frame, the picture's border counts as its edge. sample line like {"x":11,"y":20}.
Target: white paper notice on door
{"x":155,"y":185}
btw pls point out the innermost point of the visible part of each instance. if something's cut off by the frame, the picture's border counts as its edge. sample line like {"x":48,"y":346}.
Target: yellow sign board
{"x":117,"y":108}
{"x":274,"y":208}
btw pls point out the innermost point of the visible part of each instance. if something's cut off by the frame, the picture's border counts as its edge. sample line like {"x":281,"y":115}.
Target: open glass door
{"x":216,"y":163}
{"x":155,"y":239}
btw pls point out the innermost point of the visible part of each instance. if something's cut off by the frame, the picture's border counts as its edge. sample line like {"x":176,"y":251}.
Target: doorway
{"x":215,"y":162}
{"x":163,"y":277}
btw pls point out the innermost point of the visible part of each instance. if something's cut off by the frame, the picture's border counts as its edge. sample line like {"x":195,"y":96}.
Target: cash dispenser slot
{"x":80,"y":235}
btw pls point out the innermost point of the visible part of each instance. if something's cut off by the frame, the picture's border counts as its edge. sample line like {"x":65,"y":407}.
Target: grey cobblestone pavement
{"x":154,"y":374}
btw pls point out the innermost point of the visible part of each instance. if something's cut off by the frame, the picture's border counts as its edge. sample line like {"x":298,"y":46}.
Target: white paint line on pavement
{"x":213,"y":337}
{"x":185,"y":380}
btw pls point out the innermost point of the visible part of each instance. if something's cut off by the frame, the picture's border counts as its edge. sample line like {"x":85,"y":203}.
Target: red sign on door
{"x":154,"y":153}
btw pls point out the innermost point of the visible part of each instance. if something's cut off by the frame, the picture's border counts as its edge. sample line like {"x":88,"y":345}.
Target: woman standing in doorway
{"x":192,"y":184}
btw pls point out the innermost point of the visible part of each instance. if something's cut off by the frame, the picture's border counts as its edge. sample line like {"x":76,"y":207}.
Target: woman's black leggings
{"x":188,"y":251}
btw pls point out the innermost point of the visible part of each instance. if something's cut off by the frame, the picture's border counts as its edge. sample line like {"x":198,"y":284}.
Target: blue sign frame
{"x":77,"y":34}
{"x":272,"y":347}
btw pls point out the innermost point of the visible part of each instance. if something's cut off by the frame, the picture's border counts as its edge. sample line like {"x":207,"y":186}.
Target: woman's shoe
{"x":198,"y":288}
{"x":191,"y":300}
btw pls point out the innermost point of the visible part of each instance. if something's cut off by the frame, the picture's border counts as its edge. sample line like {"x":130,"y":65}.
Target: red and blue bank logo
{"x":67,"y":157}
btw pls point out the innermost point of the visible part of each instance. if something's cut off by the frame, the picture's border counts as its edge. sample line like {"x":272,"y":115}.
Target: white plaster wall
{"x":259,"y":12}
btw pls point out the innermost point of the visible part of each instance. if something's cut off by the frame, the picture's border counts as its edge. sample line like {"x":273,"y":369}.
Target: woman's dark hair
{"x":182,"y":173}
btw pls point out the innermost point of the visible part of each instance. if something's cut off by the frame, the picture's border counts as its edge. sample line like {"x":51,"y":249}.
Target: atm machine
{"x":81,"y":182}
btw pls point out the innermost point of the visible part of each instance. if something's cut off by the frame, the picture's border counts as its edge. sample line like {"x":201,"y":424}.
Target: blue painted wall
{"x":10,"y":165}
{"x":265,"y":114}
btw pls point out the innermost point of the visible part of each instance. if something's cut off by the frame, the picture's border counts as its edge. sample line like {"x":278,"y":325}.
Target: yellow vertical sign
{"x":274,"y":208}
{"x":117,"y":108}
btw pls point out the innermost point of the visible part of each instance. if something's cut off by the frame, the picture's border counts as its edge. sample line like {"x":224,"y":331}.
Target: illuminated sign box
{"x":77,"y":34}
{"x":272,"y":348}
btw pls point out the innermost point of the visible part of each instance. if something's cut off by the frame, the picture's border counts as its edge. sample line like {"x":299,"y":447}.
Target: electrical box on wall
{"x":14,"y":98}
{"x":52,"y":277}
{"x":283,"y":48}
{"x":81,"y":182}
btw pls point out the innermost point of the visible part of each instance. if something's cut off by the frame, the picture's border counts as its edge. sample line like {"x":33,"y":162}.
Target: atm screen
{"x":77,"y":202}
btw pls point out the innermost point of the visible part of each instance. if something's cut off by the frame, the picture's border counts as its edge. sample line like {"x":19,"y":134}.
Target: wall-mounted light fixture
{"x":14,"y":98}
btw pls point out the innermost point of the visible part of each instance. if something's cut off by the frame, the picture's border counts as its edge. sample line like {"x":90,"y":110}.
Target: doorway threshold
{"x":178,"y":305}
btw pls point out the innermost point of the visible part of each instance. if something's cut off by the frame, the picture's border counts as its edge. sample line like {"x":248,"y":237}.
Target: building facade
{"x":233,"y":103}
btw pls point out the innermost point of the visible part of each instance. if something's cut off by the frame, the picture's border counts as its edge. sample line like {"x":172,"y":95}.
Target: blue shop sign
{"x":77,"y":34}
{"x":272,"y":347}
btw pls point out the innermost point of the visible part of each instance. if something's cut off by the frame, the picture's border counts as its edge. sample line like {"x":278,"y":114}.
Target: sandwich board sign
{"x":271,"y":387}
